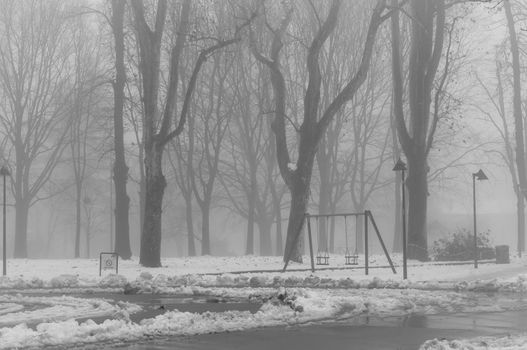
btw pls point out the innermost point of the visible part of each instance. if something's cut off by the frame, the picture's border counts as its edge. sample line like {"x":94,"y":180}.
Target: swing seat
{"x":322,"y":258}
{"x":351,"y":259}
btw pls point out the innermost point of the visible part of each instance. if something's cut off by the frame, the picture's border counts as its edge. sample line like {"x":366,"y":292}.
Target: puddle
{"x":156,"y":304}
{"x":391,"y":333}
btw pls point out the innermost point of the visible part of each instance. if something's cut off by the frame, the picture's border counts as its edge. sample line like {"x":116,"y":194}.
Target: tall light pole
{"x":4,"y":172}
{"x":480,"y":175}
{"x":401,"y":166}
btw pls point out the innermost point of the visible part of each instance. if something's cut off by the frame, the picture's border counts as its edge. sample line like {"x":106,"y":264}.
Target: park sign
{"x":108,"y":261}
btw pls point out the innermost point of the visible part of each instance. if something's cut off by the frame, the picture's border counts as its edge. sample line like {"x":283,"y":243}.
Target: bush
{"x":459,"y":246}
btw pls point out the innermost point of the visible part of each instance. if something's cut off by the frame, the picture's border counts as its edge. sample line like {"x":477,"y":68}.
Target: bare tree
{"x":87,"y":102}
{"x":36,"y":87}
{"x":498,"y":117}
{"x":249,"y":167}
{"x":517,"y":112}
{"x":212,"y":109}
{"x":157,"y":127}
{"x":427,"y":36}
{"x":297,"y":175}
{"x":120,"y":169}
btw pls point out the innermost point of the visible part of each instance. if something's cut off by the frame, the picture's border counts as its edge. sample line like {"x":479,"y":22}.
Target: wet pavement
{"x":156,"y":304}
{"x":394,"y":333}
{"x":363,"y":332}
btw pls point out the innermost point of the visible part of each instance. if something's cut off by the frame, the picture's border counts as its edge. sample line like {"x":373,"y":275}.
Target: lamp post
{"x":4,"y":172}
{"x":401,"y":166}
{"x":480,"y":175}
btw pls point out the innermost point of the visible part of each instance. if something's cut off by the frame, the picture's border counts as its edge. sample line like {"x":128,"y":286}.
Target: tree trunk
{"x":142,"y":186}
{"x":264,"y":228}
{"x":88,"y":239}
{"x":520,"y":215}
{"x":417,"y":208}
{"x":324,"y":198}
{"x":205,"y":228}
{"x":122,"y":204}
{"x":300,"y":183}
{"x":21,"y":215}
{"x":426,"y":47}
{"x":278,"y":217}
{"x":249,"y":249}
{"x":517,"y":109}
{"x":191,"y":246}
{"x":78,"y":217}
{"x":155,"y":183}
{"x":398,"y":222}
{"x":120,"y":170}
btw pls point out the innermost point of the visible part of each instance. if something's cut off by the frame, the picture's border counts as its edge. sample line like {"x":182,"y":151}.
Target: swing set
{"x":323,"y":222}
{"x":351,"y":256}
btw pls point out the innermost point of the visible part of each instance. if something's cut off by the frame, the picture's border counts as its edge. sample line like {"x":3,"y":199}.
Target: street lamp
{"x":401,"y":166}
{"x":4,"y":172}
{"x":480,"y":175}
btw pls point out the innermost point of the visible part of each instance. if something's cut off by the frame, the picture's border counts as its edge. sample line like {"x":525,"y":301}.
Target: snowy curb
{"x":146,"y":283}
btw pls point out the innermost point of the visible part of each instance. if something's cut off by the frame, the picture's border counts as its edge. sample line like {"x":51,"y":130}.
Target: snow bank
{"x":16,"y":309}
{"x":188,"y":284}
{"x":179,"y":274}
{"x":509,"y":342}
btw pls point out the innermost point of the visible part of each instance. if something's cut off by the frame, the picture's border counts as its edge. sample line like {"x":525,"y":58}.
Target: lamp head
{"x":4,"y":171}
{"x":399,"y":166}
{"x":480,"y":175}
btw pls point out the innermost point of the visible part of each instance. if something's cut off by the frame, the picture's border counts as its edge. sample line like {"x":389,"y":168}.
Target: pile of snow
{"x":509,"y":342}
{"x":17,"y":309}
{"x":187,"y":284}
{"x":282,"y":307}
{"x":234,"y":271}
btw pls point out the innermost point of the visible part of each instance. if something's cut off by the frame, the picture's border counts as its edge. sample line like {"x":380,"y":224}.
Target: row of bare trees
{"x":260,"y":110}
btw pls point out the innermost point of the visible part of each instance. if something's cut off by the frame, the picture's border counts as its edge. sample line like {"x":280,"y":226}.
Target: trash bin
{"x":502,"y":254}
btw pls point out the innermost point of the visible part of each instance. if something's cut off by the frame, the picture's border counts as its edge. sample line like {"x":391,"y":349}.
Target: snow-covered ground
{"x":510,"y":342}
{"x":287,"y":298}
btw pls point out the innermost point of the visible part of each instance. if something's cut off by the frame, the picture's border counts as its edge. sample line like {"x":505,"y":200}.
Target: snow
{"x":509,"y":342}
{"x":293,"y":297}
{"x":55,"y":308}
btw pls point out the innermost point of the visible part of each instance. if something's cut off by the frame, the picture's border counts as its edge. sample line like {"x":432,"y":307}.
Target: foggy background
{"x":469,"y":140}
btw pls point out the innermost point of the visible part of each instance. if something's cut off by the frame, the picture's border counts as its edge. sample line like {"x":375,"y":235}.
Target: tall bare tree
{"x":120,"y":169}
{"x":158,"y":127}
{"x":212,"y":110}
{"x":427,"y":37}
{"x":35,"y":83}
{"x":87,"y":101}
{"x":297,"y":175}
{"x":517,"y":112}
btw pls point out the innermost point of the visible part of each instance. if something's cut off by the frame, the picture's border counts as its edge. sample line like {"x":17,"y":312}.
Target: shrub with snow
{"x":459,"y":246}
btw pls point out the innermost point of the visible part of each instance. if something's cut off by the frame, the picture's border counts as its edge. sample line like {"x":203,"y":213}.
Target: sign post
{"x":108,"y":261}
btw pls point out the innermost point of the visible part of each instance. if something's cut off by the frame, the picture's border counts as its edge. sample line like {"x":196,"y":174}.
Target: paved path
{"x":393,"y":333}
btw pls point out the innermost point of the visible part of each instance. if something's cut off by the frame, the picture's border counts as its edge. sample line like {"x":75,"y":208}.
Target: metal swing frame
{"x":368,"y":218}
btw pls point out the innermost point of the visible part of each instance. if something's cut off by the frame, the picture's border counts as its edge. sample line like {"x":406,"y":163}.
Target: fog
{"x":229,"y":178}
